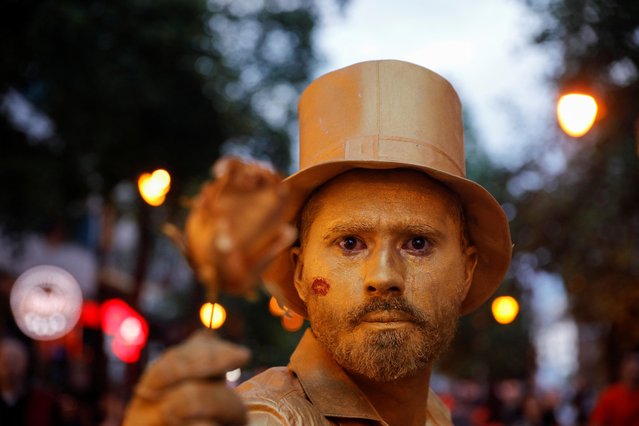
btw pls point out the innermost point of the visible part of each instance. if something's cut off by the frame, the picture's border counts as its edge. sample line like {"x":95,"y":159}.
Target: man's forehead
{"x":432,"y":226}
{"x":343,"y":197}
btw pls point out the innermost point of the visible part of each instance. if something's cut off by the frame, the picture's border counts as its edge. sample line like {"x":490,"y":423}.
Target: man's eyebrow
{"x":409,"y":228}
{"x":341,"y":228}
{"x":421,"y":229}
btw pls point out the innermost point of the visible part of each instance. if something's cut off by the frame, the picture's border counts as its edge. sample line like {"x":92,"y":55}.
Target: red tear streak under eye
{"x":320,"y":286}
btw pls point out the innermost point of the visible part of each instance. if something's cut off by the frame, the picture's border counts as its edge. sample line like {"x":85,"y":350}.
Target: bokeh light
{"x":292,"y":321}
{"x":90,"y":316}
{"x":154,"y":186}
{"x":576,"y":113}
{"x":131,"y":331}
{"x":274,"y":307}
{"x":212,"y":315}
{"x":128,"y":329}
{"x":234,"y":375}
{"x":505,"y":309}
{"x":46,"y":302}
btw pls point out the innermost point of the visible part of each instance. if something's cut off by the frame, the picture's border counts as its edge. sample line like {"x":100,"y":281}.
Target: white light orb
{"x":46,"y":302}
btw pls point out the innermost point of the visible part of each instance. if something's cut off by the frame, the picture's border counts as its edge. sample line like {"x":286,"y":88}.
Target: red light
{"x":90,"y":316}
{"x":114,"y":311}
{"x":126,"y":353}
{"x":128,"y":328}
{"x":133,"y":331}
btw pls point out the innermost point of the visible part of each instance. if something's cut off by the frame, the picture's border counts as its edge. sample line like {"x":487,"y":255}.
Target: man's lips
{"x":386,"y":316}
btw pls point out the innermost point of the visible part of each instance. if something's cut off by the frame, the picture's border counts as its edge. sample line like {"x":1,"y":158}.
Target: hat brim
{"x":486,"y":223}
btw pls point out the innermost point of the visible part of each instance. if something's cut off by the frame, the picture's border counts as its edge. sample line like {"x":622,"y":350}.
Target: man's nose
{"x":383,"y":273}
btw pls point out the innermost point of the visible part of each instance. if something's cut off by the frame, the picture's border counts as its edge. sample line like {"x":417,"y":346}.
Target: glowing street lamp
{"x":505,"y":309}
{"x":576,"y":113}
{"x":154,"y":186}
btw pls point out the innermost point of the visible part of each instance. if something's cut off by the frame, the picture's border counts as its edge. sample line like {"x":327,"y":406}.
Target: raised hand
{"x":185,"y":386}
{"x":236,"y":226}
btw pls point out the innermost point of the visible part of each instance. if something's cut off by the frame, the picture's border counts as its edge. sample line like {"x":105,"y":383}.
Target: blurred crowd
{"x":63,"y":395}
{"x":74,"y":381}
{"x":45,"y":385}
{"x":517,"y":403}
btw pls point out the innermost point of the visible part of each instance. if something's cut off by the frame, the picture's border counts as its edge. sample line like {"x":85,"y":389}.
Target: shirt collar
{"x":326,"y":384}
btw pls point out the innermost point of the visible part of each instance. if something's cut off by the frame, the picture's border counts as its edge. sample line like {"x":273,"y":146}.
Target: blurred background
{"x":112,"y":113}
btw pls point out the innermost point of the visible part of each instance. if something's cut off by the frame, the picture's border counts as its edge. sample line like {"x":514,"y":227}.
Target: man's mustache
{"x":386,"y":304}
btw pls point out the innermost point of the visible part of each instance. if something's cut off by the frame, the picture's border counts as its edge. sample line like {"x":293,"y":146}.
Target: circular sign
{"x":46,"y":302}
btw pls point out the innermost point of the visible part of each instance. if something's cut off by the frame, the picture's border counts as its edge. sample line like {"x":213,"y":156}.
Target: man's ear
{"x":470,"y":263}
{"x":298,"y":266}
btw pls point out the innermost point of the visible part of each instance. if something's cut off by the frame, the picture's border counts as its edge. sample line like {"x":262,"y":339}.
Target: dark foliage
{"x":125,"y":86}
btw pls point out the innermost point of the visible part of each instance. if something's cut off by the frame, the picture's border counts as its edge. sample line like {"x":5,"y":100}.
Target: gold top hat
{"x":386,"y":115}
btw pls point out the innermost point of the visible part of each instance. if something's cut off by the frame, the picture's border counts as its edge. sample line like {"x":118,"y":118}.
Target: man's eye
{"x":419,"y":244}
{"x":351,"y":244}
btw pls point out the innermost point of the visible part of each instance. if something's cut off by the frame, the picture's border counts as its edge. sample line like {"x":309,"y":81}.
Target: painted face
{"x":383,"y":271}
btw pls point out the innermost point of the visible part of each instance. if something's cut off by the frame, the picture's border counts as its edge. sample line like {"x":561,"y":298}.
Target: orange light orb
{"x":576,"y":113}
{"x":291,"y":321}
{"x":212,"y":315}
{"x":505,"y":309}
{"x":154,"y":186}
{"x":275,"y":309}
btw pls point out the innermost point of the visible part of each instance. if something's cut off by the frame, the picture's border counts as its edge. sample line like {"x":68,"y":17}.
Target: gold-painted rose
{"x":236,"y":226}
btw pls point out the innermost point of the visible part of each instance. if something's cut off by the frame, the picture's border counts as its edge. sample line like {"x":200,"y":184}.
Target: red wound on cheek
{"x":320,"y":286}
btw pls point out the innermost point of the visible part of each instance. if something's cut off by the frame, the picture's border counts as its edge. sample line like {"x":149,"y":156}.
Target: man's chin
{"x":382,"y":350}
{"x":396,"y":336}
{"x":382,"y":355}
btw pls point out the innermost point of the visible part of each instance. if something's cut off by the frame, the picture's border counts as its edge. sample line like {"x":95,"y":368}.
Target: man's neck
{"x":398,"y":402}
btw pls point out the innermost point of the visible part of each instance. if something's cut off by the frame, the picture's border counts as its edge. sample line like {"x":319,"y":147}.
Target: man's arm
{"x":236,"y":226}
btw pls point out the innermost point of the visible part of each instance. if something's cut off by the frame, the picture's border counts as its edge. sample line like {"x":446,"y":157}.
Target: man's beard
{"x":384,"y":355}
